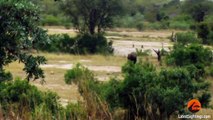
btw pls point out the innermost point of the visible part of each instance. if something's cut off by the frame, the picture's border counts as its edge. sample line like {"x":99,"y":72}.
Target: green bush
{"x":76,"y":74}
{"x":59,"y":43}
{"x":140,"y":26}
{"x":25,"y":101}
{"x":182,"y":18}
{"x":188,"y":37}
{"x":52,"y":45}
{"x":180,"y":25}
{"x":209,"y":70}
{"x":205,"y":32}
{"x":82,"y":44}
{"x":109,"y":92}
{"x":66,"y":44}
{"x":90,"y":44}
{"x":50,"y":20}
{"x":67,"y":25}
{"x":155,"y":26}
{"x":75,"y":112}
{"x":193,"y":54}
{"x":90,"y":89}
{"x":20,"y":93}
{"x":147,"y":92}
{"x":5,"y":76}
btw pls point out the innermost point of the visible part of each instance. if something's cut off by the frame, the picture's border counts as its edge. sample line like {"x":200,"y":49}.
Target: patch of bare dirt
{"x":124,"y":47}
{"x":92,"y":68}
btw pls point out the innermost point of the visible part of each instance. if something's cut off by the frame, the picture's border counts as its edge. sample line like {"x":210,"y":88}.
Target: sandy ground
{"x":124,"y":47}
{"x":92,"y":68}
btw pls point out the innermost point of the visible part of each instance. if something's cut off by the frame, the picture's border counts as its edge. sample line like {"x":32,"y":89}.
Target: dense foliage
{"x":93,"y":44}
{"x":23,"y":97}
{"x":81,"y":44}
{"x":205,"y":32}
{"x":193,"y":54}
{"x":140,"y":14}
{"x":21,"y":100}
{"x":185,"y":38}
{"x":89,"y":15}
{"x":89,"y":88}
{"x":145,"y":91}
{"x":19,"y":33}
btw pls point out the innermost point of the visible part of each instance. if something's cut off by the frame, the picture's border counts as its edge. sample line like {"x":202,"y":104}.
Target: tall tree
{"x":91,"y":16}
{"x":19,"y":33}
{"x":198,"y":9}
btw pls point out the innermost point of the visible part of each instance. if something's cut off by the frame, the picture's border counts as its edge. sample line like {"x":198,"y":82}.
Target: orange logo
{"x":194,"y":106}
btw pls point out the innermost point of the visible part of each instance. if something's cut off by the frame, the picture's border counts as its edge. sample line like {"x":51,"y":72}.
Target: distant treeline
{"x":140,"y":14}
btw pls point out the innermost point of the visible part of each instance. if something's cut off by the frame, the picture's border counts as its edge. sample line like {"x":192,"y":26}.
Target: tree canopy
{"x":91,"y":16}
{"x":19,"y":33}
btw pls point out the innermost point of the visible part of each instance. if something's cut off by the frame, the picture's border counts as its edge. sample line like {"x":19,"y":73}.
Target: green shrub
{"x":147,"y":92}
{"x":209,"y":70}
{"x":25,"y":96}
{"x":193,"y":54}
{"x":188,"y":37}
{"x":59,"y":43}
{"x":90,"y":89}
{"x":66,"y":44}
{"x":180,"y":25}
{"x":77,"y":73}
{"x":155,"y":26}
{"x":50,"y":20}
{"x":140,"y":26}
{"x":75,"y":112}
{"x":210,"y":38}
{"x":67,"y":25}
{"x":109,"y":92}
{"x":52,"y":45}
{"x":182,"y":18}
{"x":82,"y":44}
{"x":90,"y":44}
{"x":205,"y":32}
{"x":5,"y":76}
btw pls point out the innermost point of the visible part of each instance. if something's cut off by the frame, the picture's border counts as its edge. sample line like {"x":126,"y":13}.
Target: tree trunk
{"x":91,"y":28}
{"x":92,"y":21}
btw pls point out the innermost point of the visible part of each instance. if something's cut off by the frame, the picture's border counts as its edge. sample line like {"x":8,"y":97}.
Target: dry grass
{"x":54,"y":81}
{"x":54,"y":77}
{"x":85,"y":59}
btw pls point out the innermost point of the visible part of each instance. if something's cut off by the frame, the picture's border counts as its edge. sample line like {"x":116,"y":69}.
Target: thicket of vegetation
{"x":141,"y":14}
{"x":145,"y":92}
{"x":20,"y":100}
{"x":81,"y":44}
{"x":19,"y":33}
